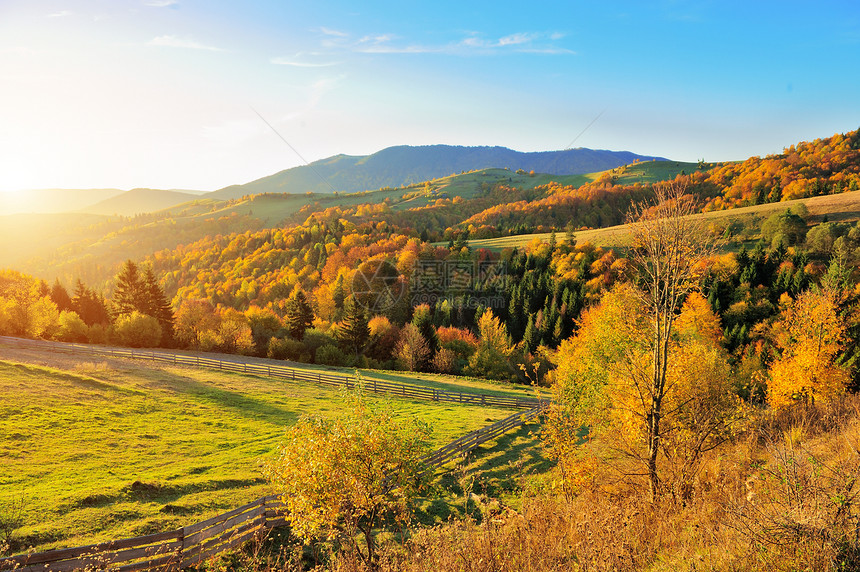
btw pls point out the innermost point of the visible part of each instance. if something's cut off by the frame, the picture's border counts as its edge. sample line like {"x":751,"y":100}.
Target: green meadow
{"x":113,"y":448}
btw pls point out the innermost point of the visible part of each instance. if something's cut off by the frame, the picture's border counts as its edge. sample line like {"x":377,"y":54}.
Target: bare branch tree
{"x":667,"y":244}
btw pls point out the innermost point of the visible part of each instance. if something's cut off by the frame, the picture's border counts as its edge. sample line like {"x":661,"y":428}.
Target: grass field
{"x":843,"y":207}
{"x":652,"y":171}
{"x":113,"y":448}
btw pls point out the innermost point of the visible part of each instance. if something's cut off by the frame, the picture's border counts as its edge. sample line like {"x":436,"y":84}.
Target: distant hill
{"x":45,"y":201}
{"x":403,"y":165}
{"x":138,"y":201}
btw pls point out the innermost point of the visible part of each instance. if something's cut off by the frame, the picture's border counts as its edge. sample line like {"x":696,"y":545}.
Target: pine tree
{"x":60,"y":296}
{"x":423,"y":320}
{"x":154,"y":303}
{"x":353,"y":331}
{"x":299,"y":314}
{"x":89,"y":305}
{"x":531,"y":336}
{"x":129,"y":290}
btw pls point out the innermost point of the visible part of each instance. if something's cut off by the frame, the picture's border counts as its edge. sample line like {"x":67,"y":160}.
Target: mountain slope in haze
{"x":47,"y":201}
{"x":138,"y":201}
{"x":403,"y":165}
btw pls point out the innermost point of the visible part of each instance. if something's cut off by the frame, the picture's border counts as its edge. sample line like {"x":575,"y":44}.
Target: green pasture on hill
{"x":844,"y":207}
{"x":113,"y":449}
{"x":651,"y":171}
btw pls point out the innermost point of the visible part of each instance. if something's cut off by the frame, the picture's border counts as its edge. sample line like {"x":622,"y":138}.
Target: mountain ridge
{"x":407,"y":164}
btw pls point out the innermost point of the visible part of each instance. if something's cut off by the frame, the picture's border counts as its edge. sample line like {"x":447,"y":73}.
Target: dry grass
{"x":843,"y":207}
{"x":781,"y":497}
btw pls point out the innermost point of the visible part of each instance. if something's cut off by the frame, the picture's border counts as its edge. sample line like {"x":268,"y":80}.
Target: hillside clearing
{"x":844,"y":207}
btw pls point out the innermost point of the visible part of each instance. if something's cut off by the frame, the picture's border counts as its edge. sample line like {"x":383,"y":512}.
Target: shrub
{"x":445,"y":361}
{"x":98,"y":334}
{"x":136,"y":330}
{"x":316,"y":338}
{"x":72,"y":328}
{"x":287,"y":348}
{"x":330,"y":355}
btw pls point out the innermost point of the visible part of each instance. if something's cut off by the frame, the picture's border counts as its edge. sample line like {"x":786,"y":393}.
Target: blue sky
{"x":163,"y":93}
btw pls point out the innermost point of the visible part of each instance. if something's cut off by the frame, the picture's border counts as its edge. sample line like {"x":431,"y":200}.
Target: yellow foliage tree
{"x":810,"y":335}
{"x":601,"y":408}
{"x":346,"y":476}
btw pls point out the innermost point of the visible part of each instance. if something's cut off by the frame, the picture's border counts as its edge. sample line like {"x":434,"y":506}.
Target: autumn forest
{"x":677,"y":353}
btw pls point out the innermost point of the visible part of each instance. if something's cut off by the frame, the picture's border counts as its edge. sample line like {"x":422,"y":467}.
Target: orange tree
{"x":342,"y":478}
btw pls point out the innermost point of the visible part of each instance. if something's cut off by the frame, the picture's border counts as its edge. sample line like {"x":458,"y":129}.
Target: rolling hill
{"x":47,"y":201}
{"x":137,"y":201}
{"x":403,"y":165}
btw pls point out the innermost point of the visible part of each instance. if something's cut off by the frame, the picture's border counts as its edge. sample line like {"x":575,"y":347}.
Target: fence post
{"x":180,"y":552}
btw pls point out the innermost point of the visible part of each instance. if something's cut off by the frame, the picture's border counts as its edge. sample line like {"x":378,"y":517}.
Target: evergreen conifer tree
{"x":353,"y":332}
{"x":154,"y":303}
{"x":60,"y":296}
{"x":299,"y":314}
{"x":129,"y":290}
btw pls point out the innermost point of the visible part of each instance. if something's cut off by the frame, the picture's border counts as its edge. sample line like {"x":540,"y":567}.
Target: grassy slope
{"x":651,"y":171}
{"x":841,"y":207}
{"x":77,"y":439}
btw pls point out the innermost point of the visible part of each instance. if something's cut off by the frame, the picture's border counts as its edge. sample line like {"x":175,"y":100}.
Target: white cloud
{"x":474,"y":43}
{"x":300,"y":60}
{"x":378,"y":39}
{"x":515,"y":39}
{"x":60,"y":14}
{"x":548,"y":51}
{"x":161,"y":3}
{"x":176,"y":42}
{"x":335,"y":33}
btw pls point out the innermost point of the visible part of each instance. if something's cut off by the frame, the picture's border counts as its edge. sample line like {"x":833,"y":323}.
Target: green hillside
{"x":113,"y":448}
{"x":652,"y":171}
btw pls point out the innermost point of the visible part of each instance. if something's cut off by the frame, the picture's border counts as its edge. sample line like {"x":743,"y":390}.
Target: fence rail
{"x":405,"y":390}
{"x":198,"y":542}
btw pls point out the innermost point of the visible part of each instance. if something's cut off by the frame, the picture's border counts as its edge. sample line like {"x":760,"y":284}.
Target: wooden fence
{"x":197,"y":543}
{"x":405,"y":390}
{"x":471,"y":441}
